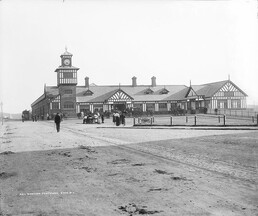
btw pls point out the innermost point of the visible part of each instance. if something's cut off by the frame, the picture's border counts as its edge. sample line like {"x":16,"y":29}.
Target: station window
{"x":55,"y":105}
{"x":162,"y":106}
{"x":150,"y":106}
{"x":68,"y":105}
{"x":222,"y":104}
{"x":68,"y":75}
{"x":229,"y":94}
{"x":235,"y":104}
{"x":68,"y":91}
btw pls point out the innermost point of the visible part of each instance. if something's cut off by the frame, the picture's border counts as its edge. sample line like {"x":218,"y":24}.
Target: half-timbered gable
{"x":119,"y":96}
{"x":223,"y":95}
{"x":229,"y":90}
{"x":229,"y":96}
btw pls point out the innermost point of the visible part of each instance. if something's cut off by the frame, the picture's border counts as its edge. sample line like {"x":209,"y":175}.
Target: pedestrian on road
{"x":57,"y":121}
{"x":122,"y":118}
{"x":117,"y":115}
{"x":114,"y":117}
{"x":102,"y":118}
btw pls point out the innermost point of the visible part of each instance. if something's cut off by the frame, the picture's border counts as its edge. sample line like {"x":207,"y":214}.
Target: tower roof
{"x":66,"y":53}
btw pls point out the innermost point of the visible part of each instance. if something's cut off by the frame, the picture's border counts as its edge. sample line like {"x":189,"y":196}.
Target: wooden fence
{"x":232,"y":112}
{"x":197,"y":120}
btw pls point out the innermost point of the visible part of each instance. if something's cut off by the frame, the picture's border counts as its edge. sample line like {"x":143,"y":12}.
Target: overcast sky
{"x":114,"y":40}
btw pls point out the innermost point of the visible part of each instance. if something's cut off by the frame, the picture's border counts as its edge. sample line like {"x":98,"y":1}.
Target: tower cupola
{"x":66,"y":59}
{"x":66,"y":73}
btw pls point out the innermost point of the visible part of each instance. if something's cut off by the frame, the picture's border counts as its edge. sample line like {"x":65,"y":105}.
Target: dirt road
{"x":85,"y":170}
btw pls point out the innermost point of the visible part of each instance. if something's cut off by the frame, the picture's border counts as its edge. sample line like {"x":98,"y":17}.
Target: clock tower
{"x":66,"y":83}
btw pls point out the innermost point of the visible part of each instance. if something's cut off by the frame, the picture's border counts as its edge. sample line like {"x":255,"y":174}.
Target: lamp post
{"x":2,"y":116}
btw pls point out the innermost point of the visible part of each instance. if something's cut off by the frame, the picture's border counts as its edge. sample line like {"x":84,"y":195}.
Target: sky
{"x":111,"y":41}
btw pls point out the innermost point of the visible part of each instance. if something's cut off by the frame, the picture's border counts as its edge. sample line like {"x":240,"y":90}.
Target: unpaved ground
{"x":85,"y":170}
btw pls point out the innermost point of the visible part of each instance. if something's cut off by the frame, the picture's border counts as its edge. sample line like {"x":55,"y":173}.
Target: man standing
{"x":57,"y":121}
{"x":117,"y":115}
{"x":122,"y":118}
{"x":102,"y":117}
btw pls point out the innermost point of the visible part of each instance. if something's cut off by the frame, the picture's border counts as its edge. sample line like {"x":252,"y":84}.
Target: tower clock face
{"x":66,"y":61}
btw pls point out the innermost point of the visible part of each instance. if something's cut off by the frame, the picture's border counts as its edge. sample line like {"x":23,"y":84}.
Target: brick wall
{"x":67,"y":99}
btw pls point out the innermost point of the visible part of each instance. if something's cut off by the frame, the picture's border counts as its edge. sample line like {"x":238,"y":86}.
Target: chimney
{"x":153,"y":81}
{"x":87,"y":85}
{"x":134,"y":84}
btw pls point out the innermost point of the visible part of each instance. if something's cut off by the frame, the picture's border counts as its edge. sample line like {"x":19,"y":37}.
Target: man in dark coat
{"x":117,"y":115}
{"x":57,"y":121}
{"x":122,"y":118}
{"x":102,"y":118}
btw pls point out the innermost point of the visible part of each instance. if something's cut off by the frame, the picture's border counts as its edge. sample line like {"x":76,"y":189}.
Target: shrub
{"x":216,"y":111}
{"x":137,"y":112}
{"x":205,"y":110}
{"x":193,"y":111}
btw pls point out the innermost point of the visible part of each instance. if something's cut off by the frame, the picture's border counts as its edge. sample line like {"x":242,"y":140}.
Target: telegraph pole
{"x":2,"y":116}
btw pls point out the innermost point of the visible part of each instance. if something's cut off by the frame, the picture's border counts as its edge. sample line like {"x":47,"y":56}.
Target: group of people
{"x":93,"y":118}
{"x":119,"y":118}
{"x":34,"y":118}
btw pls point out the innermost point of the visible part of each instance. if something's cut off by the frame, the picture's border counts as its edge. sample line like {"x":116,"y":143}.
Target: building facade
{"x":70,"y":99}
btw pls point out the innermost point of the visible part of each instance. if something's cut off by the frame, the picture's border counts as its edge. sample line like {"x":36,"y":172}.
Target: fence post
{"x":133,"y":120}
{"x":253,"y":119}
{"x":151,"y":121}
{"x":195,"y":120}
{"x":171,"y":120}
{"x":224,"y":120}
{"x":153,"y":118}
{"x":219,"y":118}
{"x":257,"y":119}
{"x":186,"y":119}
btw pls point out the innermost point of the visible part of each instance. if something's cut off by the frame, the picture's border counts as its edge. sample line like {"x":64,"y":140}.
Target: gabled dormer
{"x":164,"y":91}
{"x":148,"y":91}
{"x":88,"y":93}
{"x":191,"y":94}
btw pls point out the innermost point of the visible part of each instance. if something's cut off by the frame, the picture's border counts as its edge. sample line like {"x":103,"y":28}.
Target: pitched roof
{"x":137,"y":93}
{"x":68,"y":67}
{"x":66,"y":53}
{"x":52,"y":91}
{"x":180,"y":95}
{"x":208,"y":89}
{"x":49,"y":92}
{"x":38,"y":100}
{"x":101,"y":93}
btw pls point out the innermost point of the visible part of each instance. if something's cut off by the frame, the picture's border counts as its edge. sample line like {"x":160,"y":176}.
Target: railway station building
{"x":70,"y":99}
